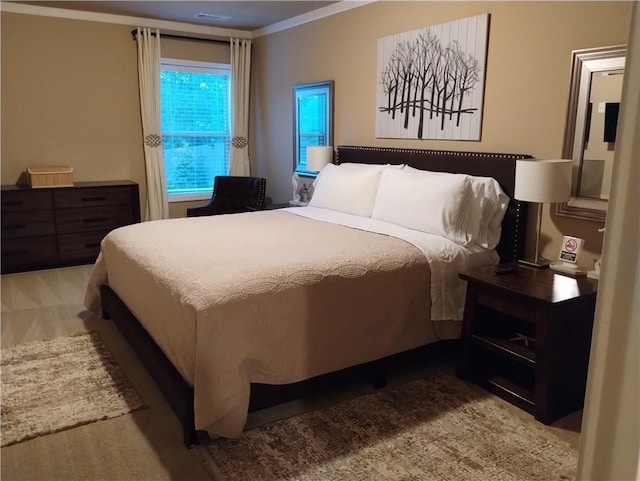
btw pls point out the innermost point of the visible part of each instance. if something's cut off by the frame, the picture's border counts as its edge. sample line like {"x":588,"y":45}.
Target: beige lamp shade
{"x":318,"y":156}
{"x":543,"y":180}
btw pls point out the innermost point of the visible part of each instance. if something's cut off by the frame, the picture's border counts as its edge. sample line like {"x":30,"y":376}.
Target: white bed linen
{"x":220,"y":358}
{"x":446,"y":258}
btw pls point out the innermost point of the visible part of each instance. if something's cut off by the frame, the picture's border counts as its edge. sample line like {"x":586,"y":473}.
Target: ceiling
{"x":231,"y":14}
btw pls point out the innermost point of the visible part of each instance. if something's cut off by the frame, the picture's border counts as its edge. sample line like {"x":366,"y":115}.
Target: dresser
{"x":62,"y":226}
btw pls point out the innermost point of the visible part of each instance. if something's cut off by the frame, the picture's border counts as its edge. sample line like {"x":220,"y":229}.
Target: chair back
{"x":235,"y":193}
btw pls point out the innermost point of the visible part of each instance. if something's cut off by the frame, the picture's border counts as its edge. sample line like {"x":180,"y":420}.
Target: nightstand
{"x":526,"y":337}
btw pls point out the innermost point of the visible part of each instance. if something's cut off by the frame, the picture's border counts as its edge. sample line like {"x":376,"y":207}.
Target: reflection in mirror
{"x":600,"y":134}
{"x":594,"y":102}
{"x":312,"y":121}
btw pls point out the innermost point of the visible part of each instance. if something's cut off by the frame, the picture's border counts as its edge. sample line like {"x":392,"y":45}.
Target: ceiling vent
{"x":211,"y":16}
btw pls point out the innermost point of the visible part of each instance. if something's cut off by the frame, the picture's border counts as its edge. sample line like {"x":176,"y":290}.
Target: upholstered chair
{"x":231,"y":195}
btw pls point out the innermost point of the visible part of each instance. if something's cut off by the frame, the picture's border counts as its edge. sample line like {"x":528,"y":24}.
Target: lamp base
{"x":539,"y":262}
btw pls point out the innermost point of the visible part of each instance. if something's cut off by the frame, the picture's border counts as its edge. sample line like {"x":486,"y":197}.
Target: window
{"x":196,"y":126}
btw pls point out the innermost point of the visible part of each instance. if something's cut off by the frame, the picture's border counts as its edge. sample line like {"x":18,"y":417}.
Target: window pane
{"x":192,"y":161}
{"x":195,"y":128}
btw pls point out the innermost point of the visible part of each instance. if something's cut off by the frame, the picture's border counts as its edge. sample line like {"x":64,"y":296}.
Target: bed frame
{"x":180,"y":394}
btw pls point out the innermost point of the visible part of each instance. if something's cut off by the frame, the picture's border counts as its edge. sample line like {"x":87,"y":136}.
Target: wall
{"x":70,"y":97}
{"x":526,"y":90}
{"x":70,"y":92}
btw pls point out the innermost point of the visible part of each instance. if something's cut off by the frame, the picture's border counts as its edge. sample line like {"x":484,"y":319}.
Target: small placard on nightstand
{"x":566,"y":268}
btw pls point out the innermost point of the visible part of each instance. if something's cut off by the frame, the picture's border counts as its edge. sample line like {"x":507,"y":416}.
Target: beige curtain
{"x":240,"y":75}
{"x":157,"y":205}
{"x":610,"y":439}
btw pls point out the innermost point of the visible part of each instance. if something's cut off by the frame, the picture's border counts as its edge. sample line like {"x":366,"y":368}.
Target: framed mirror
{"x":592,"y":118}
{"x":312,"y":121}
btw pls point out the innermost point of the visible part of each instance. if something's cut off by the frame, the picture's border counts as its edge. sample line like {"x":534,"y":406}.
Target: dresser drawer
{"x":32,"y":252}
{"x":88,"y":197}
{"x":93,"y":218}
{"x":82,"y":245}
{"x":21,"y":200}
{"x":27,"y":224}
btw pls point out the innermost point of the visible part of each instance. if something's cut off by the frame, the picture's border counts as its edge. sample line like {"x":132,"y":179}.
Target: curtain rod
{"x":134,"y":32}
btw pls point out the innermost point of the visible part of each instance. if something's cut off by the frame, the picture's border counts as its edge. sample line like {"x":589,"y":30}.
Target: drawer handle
{"x":15,"y":253}
{"x":95,"y":220}
{"x":92,"y":244}
{"x":13,"y":226}
{"x":93,"y":199}
{"x":12,"y":203}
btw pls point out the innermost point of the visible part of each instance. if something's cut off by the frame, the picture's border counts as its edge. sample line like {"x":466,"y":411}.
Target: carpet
{"x":49,"y":386}
{"x":439,"y":428}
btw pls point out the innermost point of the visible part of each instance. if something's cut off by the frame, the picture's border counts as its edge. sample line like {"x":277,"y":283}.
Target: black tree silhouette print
{"x":422,"y":77}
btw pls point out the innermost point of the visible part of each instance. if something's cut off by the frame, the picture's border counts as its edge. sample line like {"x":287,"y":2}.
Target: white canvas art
{"x":431,"y":81}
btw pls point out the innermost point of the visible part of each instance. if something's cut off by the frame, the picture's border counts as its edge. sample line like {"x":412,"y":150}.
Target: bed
{"x":229,"y":311}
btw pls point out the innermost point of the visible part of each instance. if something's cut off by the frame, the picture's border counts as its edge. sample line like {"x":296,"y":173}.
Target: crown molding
{"x":165,"y":26}
{"x":323,"y":12}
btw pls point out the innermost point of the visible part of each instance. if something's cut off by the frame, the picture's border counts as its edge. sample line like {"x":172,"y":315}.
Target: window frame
{"x":194,"y":66}
{"x":299,"y":93}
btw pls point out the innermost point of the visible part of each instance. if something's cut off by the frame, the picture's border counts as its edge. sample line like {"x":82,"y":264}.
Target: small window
{"x":196,"y":126}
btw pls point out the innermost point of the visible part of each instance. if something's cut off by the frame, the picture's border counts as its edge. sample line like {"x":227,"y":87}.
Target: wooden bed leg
{"x":190,"y":437}
{"x":379,"y":379}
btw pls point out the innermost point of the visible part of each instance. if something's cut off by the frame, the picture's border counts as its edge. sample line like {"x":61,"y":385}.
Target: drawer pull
{"x":94,"y":198}
{"x":15,"y":253}
{"x":11,"y":203}
{"x":92,"y":245}
{"x":95,"y":220}
{"x":13,"y":226}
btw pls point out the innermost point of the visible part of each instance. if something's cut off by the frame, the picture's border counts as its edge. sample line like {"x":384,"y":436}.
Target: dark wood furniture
{"x":526,"y":337}
{"x":233,"y":194}
{"x":62,"y":226}
{"x":180,"y":394}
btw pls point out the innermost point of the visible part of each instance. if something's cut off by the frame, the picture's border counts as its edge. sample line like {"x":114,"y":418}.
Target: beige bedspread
{"x":269,"y":297}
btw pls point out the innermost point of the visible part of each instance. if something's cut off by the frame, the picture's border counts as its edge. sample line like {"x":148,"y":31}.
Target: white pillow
{"x":493,"y":204}
{"x":346,"y":190}
{"x":490,"y":206}
{"x":428,"y":202}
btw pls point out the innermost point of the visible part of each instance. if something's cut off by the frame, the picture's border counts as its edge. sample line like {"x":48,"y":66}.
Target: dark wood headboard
{"x":501,"y":167}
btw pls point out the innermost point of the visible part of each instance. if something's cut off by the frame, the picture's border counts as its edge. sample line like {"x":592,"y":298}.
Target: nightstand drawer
{"x":506,"y":303}
{"x":27,"y":224}
{"x":93,"y":218}
{"x":97,"y":196}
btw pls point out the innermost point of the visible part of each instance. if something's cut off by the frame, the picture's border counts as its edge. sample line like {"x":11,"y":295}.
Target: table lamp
{"x":542,"y":181}
{"x":318,"y":156}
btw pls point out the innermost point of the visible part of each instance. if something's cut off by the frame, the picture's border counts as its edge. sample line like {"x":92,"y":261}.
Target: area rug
{"x":438,"y":428}
{"x":49,"y":386}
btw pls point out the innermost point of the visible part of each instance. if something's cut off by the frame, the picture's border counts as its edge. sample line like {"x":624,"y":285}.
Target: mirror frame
{"x":300,"y":91}
{"x":584,"y":63}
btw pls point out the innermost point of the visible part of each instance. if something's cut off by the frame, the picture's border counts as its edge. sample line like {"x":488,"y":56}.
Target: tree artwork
{"x":431,"y":81}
